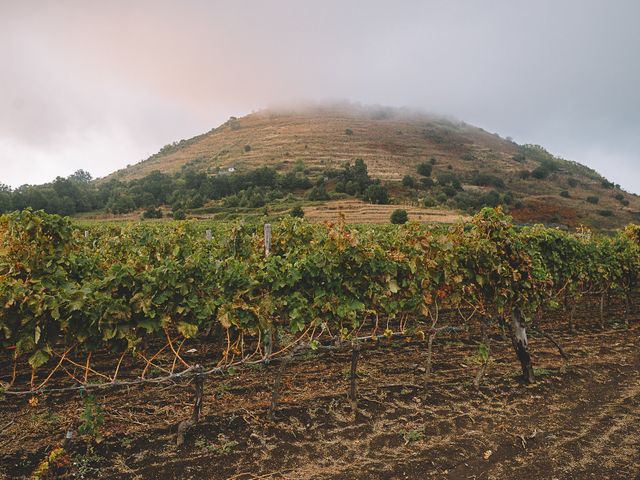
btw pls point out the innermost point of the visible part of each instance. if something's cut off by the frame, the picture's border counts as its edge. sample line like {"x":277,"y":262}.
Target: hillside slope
{"x":393,"y":143}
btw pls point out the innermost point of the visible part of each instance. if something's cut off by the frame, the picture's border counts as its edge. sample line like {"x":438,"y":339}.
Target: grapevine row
{"x":124,"y":289}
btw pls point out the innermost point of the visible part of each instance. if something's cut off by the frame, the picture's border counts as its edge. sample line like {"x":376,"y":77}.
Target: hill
{"x":473,"y":163}
{"x":328,"y":162}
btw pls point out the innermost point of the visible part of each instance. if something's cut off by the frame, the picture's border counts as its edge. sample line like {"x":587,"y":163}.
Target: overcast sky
{"x":99,"y":85}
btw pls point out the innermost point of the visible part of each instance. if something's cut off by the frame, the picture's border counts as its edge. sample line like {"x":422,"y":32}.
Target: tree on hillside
{"x":408,"y":181}
{"x":354,"y":179}
{"x":81,"y":176}
{"x":120,"y":203}
{"x":425,"y":169}
{"x":399,"y":216}
{"x":6,"y":202}
{"x":377,"y":194}
{"x":179,"y":215}
{"x":152,"y":213}
{"x":318,"y":193}
{"x":297,"y":211}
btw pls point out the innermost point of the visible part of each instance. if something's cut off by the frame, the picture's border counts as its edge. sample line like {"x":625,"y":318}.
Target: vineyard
{"x":109,"y":309}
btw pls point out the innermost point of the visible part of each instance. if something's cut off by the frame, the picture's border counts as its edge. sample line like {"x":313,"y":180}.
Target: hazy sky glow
{"x":98,"y":85}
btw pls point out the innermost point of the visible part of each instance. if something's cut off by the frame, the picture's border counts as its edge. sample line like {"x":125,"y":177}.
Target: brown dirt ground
{"x":581,"y":422}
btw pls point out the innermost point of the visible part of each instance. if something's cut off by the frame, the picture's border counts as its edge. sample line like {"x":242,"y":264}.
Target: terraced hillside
{"x":393,"y":143}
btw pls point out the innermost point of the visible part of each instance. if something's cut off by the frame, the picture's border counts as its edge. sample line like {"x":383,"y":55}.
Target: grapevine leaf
{"x":39,"y":358}
{"x":188,"y":330}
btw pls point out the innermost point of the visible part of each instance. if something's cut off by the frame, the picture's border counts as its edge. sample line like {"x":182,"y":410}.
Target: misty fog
{"x":102,"y":85}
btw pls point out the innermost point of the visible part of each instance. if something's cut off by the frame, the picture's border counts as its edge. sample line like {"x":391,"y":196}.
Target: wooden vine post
{"x":267,"y":239}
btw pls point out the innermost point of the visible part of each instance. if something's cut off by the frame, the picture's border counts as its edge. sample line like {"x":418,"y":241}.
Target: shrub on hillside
{"x":472,"y":201}
{"x":540,"y":172}
{"x":450,"y":179}
{"x":408,"y":181}
{"x":179,"y":215}
{"x":152,"y":213}
{"x":449,"y":191}
{"x":399,"y":216}
{"x":427,"y":182}
{"x":377,"y":194}
{"x":297,"y":211}
{"x":429,"y":202}
{"x":507,"y":198}
{"x":425,"y":169}
{"x":593,"y":199}
{"x":318,"y":193}
{"x":487,"y":180}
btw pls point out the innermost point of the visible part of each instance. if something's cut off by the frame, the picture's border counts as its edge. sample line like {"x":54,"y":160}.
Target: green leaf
{"x":39,"y":358}
{"x":483,"y":351}
{"x":149,"y":325}
{"x":188,"y":330}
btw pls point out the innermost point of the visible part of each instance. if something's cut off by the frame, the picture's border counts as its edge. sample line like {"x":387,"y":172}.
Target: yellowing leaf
{"x":188,"y":330}
{"x":225,"y":321}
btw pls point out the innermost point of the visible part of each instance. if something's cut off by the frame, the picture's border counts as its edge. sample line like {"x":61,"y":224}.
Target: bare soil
{"x":579,"y":421}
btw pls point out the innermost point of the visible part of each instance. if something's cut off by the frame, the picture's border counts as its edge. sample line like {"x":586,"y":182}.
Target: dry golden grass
{"x":356,"y":211}
{"x":392,"y":147}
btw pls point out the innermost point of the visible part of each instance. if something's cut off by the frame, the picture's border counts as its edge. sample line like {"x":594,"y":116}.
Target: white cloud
{"x":98,"y":85}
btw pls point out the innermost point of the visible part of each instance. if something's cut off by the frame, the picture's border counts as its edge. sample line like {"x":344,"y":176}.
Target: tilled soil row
{"x":578,"y":421}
